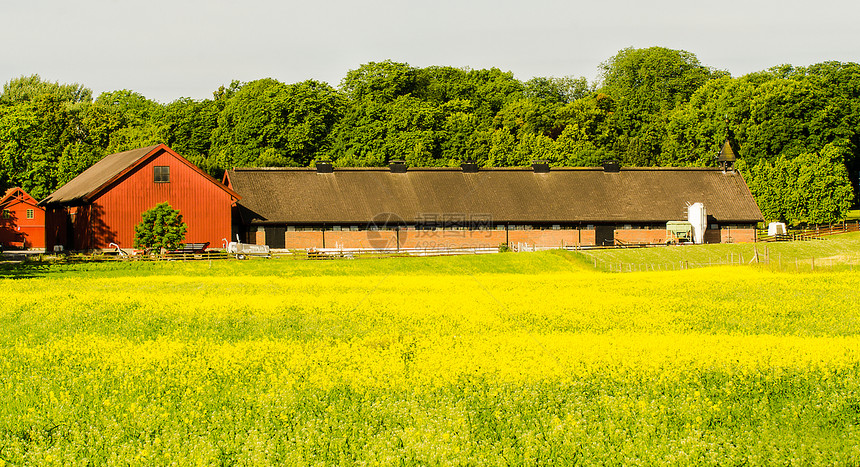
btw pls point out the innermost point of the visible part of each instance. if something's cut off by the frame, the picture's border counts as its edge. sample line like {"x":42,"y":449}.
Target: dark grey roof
{"x":357,"y":196}
{"x":97,"y":176}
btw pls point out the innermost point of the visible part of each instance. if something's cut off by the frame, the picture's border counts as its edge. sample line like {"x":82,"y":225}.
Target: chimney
{"x":540,"y":166}
{"x":469,"y":167}
{"x":324,"y":167}
{"x":611,"y":166}
{"x":397,"y":167}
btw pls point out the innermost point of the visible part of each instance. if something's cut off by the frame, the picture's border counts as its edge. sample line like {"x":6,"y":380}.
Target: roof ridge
{"x":482,"y":169}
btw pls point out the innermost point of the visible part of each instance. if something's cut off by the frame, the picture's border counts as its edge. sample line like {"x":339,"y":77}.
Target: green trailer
{"x":679,"y":232}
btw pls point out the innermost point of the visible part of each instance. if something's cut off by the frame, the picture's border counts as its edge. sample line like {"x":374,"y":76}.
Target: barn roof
{"x":93,"y":181}
{"x":518,"y":195}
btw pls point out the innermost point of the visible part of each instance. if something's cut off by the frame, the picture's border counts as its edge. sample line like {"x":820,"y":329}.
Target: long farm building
{"x":399,"y":207}
{"x":396,"y":207}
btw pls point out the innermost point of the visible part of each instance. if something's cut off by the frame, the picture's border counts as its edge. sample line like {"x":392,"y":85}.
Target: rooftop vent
{"x":540,"y":166}
{"x":727,"y":157}
{"x":611,"y":166}
{"x":324,"y":167}
{"x":469,"y":167}
{"x":397,"y":167}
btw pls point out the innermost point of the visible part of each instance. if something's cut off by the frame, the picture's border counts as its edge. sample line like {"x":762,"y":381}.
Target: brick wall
{"x":303,"y":240}
{"x":545,"y":238}
{"x":361,"y":239}
{"x":484,"y":238}
{"x":737,"y":235}
{"x":451,"y":238}
{"x":641,"y":235}
{"x":588,"y":237}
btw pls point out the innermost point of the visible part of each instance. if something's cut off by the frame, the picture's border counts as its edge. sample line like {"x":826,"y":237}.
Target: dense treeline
{"x":796,"y":128}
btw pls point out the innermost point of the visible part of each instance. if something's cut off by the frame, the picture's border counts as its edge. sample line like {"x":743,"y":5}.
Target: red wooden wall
{"x":18,"y":231}
{"x":112,"y":215}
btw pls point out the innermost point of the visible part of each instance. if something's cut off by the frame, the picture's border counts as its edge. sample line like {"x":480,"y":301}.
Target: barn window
{"x":31,"y":214}
{"x":162,"y":174}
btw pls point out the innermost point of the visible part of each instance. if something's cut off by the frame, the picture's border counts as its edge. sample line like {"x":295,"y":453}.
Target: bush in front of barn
{"x":161,"y":227}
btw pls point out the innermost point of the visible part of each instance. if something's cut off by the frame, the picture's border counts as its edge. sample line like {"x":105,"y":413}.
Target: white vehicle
{"x":245,"y":250}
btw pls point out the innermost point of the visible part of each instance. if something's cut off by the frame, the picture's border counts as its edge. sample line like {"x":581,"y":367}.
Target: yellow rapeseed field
{"x":505,"y":359}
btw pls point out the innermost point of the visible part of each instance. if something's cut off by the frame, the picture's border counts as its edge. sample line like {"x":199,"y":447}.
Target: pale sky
{"x":167,"y":49}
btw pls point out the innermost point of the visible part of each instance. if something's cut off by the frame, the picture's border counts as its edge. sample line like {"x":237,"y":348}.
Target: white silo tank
{"x":697,"y":216}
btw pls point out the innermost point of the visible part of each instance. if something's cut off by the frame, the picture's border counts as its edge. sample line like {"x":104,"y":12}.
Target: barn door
{"x":275,"y":236}
{"x":604,"y":235}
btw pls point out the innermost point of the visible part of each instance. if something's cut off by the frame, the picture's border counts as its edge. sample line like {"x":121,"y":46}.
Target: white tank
{"x":697,"y":216}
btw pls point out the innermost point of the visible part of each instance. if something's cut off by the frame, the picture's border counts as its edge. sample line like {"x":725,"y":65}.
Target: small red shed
{"x":22,"y":221}
{"x":103,"y":204}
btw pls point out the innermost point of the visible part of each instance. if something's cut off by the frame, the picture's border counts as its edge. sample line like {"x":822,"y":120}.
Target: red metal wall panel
{"x":112,"y":216}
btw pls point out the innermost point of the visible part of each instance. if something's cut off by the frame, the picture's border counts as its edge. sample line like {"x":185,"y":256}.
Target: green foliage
{"x":810,"y":188}
{"x":160,"y":227}
{"x":188,"y":126}
{"x":652,"y":79}
{"x":268,"y":123}
{"x":28,"y":88}
{"x":77,"y":157}
{"x":381,"y":82}
{"x":556,"y":90}
{"x":33,"y":135}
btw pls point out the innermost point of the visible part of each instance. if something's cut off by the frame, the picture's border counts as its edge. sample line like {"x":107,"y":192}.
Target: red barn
{"x":22,"y":221}
{"x":103,"y":204}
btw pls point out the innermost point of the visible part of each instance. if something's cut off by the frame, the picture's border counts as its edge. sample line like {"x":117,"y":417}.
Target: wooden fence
{"x":815,"y":232}
{"x":809,"y":233}
{"x":760,"y":256}
{"x":313,"y":254}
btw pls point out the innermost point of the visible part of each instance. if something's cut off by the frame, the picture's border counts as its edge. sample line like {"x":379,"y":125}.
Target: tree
{"x":645,"y":85}
{"x":268,"y":123}
{"x":653,"y":79}
{"x":189,"y":125}
{"x":557,"y":90}
{"x":812,"y":188}
{"x":123,"y":120}
{"x":380,"y":81}
{"x":372,"y":133}
{"x":27,"y":88}
{"x":160,"y":227}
